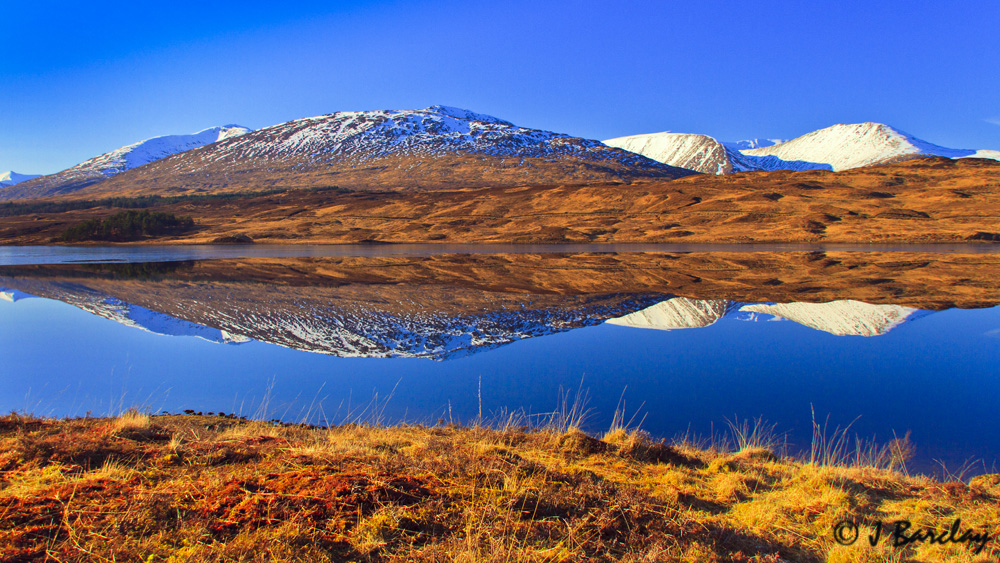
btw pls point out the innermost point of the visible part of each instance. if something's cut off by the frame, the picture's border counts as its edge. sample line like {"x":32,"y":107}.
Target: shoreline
{"x":545,"y":247}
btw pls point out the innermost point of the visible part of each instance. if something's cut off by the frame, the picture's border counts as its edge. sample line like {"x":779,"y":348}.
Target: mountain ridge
{"x":120,"y":160}
{"x":428,"y":148}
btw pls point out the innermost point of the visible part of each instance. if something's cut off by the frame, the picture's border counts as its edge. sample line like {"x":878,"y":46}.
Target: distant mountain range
{"x":446,"y":147}
{"x":840,"y":147}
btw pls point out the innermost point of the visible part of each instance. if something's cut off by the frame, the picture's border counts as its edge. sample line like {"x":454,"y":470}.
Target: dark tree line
{"x":14,"y":208}
{"x":126,"y":226}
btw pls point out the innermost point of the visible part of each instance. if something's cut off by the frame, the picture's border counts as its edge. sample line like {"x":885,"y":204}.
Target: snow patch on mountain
{"x":842,"y":318}
{"x":10,"y":178}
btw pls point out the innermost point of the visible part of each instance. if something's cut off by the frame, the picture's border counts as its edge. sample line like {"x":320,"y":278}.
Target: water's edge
{"x":31,"y":255}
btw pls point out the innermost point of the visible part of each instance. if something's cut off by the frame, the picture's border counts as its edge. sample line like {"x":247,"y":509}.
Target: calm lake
{"x":888,"y":340}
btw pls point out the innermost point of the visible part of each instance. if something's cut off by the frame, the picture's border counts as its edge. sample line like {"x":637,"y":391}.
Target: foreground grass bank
{"x":199,"y":488}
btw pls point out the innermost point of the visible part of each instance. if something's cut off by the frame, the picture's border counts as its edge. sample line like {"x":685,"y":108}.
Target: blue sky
{"x":79,"y":79}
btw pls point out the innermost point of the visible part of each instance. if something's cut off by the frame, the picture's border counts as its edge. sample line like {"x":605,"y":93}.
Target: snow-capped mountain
{"x":705,"y":154}
{"x":427,"y":148}
{"x":120,"y":160}
{"x":700,"y":153}
{"x":10,"y":178}
{"x":679,"y":312}
{"x":842,"y":318}
{"x":839,"y":147}
{"x":365,"y":136}
{"x":860,"y":144}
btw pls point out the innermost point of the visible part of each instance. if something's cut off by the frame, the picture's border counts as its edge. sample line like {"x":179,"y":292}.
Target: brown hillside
{"x":925,"y":200}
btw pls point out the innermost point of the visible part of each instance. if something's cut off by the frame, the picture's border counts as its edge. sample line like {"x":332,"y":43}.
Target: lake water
{"x":903,"y":340}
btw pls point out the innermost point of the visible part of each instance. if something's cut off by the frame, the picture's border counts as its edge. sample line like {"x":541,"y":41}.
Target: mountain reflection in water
{"x":844,"y":318}
{"x":345,"y":321}
{"x":514,"y":329}
{"x":312,"y":323}
{"x":447,"y":306}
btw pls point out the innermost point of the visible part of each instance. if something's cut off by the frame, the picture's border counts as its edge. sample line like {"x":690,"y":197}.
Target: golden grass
{"x":131,"y":420}
{"x":197,"y":488}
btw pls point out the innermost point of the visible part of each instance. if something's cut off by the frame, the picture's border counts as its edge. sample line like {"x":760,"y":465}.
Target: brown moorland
{"x":923,"y":200}
{"x":206,"y":488}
